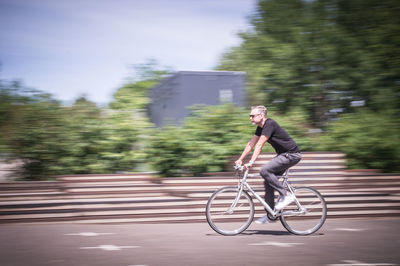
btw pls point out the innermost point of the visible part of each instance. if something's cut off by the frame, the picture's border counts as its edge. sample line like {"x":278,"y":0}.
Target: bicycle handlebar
{"x":245,"y":172}
{"x":239,"y":167}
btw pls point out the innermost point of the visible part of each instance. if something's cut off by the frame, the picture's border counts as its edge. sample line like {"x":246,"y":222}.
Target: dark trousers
{"x":277,"y":166}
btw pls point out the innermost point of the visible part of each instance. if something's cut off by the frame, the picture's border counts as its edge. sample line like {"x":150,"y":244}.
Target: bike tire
{"x":313,"y":217}
{"x":226,"y":220}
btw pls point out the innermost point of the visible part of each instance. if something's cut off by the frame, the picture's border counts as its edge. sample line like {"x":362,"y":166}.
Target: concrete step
{"x":143,"y":197}
{"x":347,"y":203}
{"x":183,"y":214}
{"x":169,"y":206}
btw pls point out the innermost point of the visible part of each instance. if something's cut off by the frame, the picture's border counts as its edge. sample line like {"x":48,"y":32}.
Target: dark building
{"x":172,"y":97}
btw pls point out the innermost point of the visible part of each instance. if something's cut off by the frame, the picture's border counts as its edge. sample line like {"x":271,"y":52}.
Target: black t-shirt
{"x":277,"y":137}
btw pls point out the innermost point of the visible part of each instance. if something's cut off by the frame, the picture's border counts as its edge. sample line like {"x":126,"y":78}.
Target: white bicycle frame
{"x":243,"y":184}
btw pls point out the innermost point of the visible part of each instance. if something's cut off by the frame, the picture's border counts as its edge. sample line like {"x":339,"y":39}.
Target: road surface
{"x":341,"y":242}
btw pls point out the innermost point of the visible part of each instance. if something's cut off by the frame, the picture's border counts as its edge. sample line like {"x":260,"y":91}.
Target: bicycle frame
{"x":243,"y":184}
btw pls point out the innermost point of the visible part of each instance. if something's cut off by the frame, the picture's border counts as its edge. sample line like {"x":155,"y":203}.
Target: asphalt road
{"x":340,"y":242}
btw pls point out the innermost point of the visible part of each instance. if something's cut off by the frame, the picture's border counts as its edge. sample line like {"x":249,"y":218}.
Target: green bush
{"x":166,"y":150}
{"x":210,"y":136}
{"x":369,"y":139}
{"x":203,"y":144}
{"x":213,"y":133}
{"x":52,"y":139}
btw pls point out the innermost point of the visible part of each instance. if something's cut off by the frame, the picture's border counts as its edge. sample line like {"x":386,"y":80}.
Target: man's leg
{"x":269,"y":194}
{"x":268,"y":171}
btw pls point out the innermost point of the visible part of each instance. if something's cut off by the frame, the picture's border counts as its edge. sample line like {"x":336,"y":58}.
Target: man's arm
{"x":260,"y":144}
{"x":247,"y":149}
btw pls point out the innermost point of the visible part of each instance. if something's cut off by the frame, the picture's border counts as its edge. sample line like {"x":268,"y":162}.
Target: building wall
{"x":164,"y":99}
{"x":171,"y":99}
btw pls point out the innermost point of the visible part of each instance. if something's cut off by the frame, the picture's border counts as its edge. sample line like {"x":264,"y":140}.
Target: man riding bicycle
{"x":288,"y":154}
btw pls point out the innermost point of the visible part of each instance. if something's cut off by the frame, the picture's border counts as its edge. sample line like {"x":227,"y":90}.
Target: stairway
{"x":146,"y":198}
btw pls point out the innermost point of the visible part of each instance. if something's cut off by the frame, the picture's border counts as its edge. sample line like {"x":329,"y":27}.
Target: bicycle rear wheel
{"x":306,"y":215}
{"x":228,"y":212}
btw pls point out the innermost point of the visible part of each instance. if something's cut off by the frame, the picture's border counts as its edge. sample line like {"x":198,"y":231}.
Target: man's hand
{"x":239,"y":162}
{"x":248,"y":166}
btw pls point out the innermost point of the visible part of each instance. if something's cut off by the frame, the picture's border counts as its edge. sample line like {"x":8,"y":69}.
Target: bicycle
{"x":230,"y":210}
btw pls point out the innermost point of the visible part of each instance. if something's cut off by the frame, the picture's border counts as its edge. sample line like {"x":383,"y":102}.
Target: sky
{"x":74,"y":48}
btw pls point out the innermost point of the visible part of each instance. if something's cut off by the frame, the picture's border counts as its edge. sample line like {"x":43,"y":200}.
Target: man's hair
{"x":260,"y":109}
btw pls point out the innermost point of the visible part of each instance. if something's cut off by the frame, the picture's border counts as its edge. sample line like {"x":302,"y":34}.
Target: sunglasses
{"x":252,"y":116}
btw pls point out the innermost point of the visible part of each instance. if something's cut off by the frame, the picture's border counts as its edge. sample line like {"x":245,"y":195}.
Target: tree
{"x":327,"y":58}
{"x":321,"y":55}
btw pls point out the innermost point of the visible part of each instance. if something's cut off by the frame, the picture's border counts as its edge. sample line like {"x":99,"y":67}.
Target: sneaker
{"x":284,"y":201}
{"x":264,"y":220}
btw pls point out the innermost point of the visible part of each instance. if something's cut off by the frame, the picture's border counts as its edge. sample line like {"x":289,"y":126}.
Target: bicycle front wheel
{"x":306,"y":214}
{"x":229,"y":211}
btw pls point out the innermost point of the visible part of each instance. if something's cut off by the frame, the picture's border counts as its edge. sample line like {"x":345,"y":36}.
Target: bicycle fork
{"x":235,"y":202}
